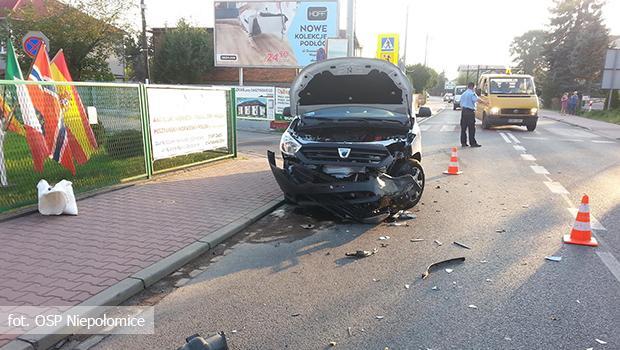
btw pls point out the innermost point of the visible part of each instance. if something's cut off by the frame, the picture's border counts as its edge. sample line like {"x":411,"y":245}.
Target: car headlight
{"x":533,"y":111}
{"x":495,"y":110}
{"x":288,"y":144}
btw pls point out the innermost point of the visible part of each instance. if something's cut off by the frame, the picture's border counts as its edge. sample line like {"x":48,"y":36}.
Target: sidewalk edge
{"x":136,"y":283}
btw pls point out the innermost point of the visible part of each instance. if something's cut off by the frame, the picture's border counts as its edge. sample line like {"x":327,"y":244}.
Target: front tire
{"x":414,"y":168}
{"x":485,"y":123}
{"x":531,"y":126}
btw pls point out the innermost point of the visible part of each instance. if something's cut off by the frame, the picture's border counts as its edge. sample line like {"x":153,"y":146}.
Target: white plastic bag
{"x":56,"y":200}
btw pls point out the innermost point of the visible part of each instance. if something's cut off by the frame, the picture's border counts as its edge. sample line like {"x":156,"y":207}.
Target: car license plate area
{"x":515,"y":120}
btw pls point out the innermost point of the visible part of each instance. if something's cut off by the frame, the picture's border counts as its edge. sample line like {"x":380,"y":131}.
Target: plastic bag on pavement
{"x":58,"y":199}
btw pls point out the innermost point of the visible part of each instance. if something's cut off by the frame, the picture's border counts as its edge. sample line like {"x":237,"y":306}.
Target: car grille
{"x":359,"y":156}
{"x":515,"y":111}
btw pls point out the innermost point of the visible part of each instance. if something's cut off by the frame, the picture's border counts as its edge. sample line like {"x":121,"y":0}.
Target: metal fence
{"x":100,"y":134}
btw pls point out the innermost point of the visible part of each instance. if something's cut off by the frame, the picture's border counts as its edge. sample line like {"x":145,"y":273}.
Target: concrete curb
{"x":567,"y":122}
{"x":136,"y":283}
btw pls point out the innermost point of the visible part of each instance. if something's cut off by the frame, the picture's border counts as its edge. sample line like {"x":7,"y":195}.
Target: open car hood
{"x":351,"y":80}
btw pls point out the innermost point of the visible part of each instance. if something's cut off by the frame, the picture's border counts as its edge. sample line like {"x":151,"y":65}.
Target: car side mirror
{"x":424,"y":112}
{"x":286,"y":111}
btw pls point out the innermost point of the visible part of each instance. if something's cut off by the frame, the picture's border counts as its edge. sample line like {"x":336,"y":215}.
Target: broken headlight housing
{"x":288,"y":144}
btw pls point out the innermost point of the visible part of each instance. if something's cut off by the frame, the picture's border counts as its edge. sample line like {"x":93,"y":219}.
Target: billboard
{"x":255,"y":102}
{"x":387,"y":47}
{"x":273,"y":33}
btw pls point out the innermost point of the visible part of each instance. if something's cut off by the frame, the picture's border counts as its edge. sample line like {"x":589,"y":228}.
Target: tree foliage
{"x":575,"y":46}
{"x":88,"y":31}
{"x":184,"y":55}
{"x":527,"y":52}
{"x":422,"y":77}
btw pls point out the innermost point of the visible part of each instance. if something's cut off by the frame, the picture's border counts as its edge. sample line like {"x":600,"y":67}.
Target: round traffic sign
{"x":32,"y":45}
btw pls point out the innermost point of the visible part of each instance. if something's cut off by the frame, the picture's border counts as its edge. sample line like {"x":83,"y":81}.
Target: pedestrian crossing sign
{"x":387,"y":47}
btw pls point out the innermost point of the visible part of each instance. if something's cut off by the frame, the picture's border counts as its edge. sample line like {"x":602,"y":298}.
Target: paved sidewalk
{"x":67,"y":259}
{"x":596,"y":126}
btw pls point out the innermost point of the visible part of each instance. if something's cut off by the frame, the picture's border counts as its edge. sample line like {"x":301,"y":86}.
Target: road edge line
{"x":139,"y":281}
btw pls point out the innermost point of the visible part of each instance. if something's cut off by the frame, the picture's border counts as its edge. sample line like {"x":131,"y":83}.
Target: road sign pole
{"x":350,"y":29}
{"x":613,"y":74}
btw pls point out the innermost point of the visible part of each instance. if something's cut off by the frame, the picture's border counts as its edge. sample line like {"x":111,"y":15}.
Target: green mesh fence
{"x":95,"y":135}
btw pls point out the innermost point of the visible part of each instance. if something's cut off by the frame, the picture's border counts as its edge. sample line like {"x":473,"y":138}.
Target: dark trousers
{"x":468,"y":122}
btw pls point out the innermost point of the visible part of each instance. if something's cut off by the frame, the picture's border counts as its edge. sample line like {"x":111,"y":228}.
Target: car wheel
{"x":414,"y":168}
{"x":531,"y":126}
{"x":485,"y":123}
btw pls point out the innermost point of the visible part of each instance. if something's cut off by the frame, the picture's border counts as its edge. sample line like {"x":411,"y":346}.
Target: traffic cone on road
{"x":582,"y":232}
{"x":453,"y":168}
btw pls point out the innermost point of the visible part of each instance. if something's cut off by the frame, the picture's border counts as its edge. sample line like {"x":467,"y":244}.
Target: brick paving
{"x":65,"y":260}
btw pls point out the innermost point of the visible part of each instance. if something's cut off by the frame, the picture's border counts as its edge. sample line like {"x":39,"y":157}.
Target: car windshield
{"x":351,"y":112}
{"x":512,"y":86}
{"x":460,"y":91}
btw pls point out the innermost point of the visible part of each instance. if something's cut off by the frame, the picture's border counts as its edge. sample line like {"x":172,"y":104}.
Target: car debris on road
{"x":417,"y":239}
{"x":461,"y":245}
{"x":440,"y":264}
{"x":554,"y":258}
{"x":362,"y":253}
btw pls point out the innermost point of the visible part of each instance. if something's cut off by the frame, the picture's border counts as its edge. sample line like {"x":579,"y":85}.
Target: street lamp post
{"x":145,"y":44}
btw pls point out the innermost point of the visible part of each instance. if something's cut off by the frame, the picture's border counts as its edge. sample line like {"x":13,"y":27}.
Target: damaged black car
{"x":354,"y":146}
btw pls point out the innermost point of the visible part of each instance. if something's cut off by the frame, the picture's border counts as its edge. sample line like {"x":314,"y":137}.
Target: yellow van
{"x":511,"y":98}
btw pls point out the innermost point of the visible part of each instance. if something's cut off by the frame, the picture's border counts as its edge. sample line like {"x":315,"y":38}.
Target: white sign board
{"x":337,"y":47}
{"x":283,"y":99}
{"x":611,"y":72}
{"x":255,"y":102}
{"x":187,"y":121}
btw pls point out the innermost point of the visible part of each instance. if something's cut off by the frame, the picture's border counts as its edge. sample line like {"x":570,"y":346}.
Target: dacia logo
{"x":317,"y":13}
{"x":344,"y":152}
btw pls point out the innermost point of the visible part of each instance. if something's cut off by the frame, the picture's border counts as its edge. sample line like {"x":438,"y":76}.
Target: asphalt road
{"x":282,"y":286}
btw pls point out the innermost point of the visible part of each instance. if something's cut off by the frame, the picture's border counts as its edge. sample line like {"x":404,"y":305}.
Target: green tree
{"x":438,"y":88}
{"x":527,"y":52}
{"x":88,"y":31}
{"x":184,"y":55}
{"x":575,"y":47}
{"x":421,"y":77}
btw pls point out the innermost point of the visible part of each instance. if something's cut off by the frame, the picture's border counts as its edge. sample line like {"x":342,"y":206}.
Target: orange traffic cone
{"x":582,"y":233}
{"x":453,"y":168}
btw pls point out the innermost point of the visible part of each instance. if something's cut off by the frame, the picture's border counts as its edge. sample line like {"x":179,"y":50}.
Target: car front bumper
{"x":511,"y":119}
{"x":364,"y":201}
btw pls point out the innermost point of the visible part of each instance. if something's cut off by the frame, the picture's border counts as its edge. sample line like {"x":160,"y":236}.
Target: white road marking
{"x":611,"y":262}
{"x":602,"y":141}
{"x":596,"y":225}
{"x":535,"y":138}
{"x":516,"y":140}
{"x":519,"y":148}
{"x":504,"y":137}
{"x":528,"y":157}
{"x":556,"y":187}
{"x":539,"y":169}
{"x":571,"y":140}
{"x":448,"y":128}
{"x":425,"y":127}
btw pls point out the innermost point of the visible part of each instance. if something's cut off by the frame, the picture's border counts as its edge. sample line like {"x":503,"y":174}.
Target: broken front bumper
{"x":366,"y":201}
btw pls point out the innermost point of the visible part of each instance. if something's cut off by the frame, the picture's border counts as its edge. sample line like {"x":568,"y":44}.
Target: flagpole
{"x":3,"y":180}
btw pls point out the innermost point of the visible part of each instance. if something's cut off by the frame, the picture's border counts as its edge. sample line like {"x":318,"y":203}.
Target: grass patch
{"x":610,"y":116}
{"x":100,"y":171}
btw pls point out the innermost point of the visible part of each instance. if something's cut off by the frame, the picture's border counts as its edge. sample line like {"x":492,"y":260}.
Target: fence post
{"x":146,"y":130}
{"x":233,"y":123}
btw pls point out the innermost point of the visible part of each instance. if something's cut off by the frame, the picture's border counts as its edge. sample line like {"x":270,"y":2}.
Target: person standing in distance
{"x":468,"y":116}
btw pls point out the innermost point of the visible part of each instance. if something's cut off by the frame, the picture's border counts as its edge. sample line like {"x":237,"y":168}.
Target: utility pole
{"x":350,"y":28}
{"x":404,"y":59}
{"x":145,"y":44}
{"x":425,"y":49}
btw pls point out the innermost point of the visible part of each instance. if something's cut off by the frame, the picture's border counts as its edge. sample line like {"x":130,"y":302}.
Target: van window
{"x":512,"y":86}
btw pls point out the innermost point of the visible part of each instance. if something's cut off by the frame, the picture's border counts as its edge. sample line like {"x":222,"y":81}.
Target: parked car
{"x":448,"y":97}
{"x":458,"y":91}
{"x":354,"y":146}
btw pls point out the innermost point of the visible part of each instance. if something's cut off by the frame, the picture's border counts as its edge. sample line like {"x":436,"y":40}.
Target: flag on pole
{"x":32,"y":126}
{"x":81,"y":136}
{"x":46,"y":101}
